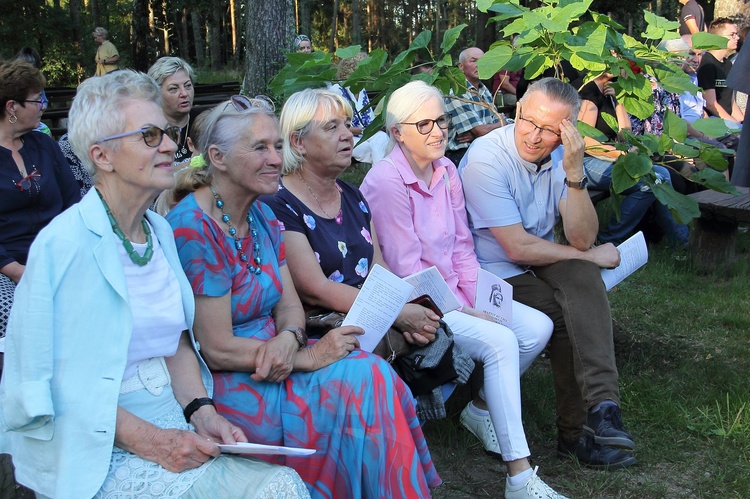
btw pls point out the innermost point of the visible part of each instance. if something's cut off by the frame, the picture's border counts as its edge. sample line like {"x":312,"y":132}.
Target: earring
{"x":12,"y":119}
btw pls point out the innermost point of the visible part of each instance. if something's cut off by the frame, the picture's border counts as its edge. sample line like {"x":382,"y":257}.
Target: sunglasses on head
{"x":242,"y":103}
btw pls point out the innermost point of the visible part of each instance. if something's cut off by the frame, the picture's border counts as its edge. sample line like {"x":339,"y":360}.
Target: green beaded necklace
{"x":134,"y":256}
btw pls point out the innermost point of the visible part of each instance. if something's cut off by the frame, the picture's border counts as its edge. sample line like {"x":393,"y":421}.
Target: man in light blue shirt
{"x":519,"y":183}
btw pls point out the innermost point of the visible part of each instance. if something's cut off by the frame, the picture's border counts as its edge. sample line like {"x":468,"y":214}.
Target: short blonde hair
{"x":297,"y":119}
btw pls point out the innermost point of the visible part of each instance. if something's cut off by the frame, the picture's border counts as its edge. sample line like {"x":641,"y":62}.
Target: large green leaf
{"x":622,"y":180}
{"x":507,"y":10}
{"x":347,"y":52}
{"x":583,"y":61}
{"x":713,"y":127}
{"x":536,"y":66}
{"x":589,"y":38}
{"x":675,"y":127}
{"x":450,"y":36}
{"x":494,"y":60}
{"x":684,"y":150}
{"x":570,"y":11}
{"x":589,"y":131}
{"x":611,"y":122}
{"x":714,"y":180}
{"x":708,"y":41}
{"x":714,"y":158}
{"x":602,"y":19}
{"x":422,"y":41}
{"x":684,"y":208}
{"x":637,"y":106}
{"x":657,"y":26}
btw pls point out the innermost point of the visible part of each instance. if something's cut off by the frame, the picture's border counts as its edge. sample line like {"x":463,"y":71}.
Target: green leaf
{"x":713,"y":127}
{"x":675,"y":127}
{"x":714,"y":180}
{"x":494,"y":60}
{"x":657,"y":26}
{"x":571,"y":10}
{"x":450,"y":36}
{"x":602,"y":19}
{"x":347,"y":52}
{"x":507,"y":10}
{"x":637,"y":106}
{"x":683,"y":208}
{"x":484,"y":5}
{"x":684,"y":150}
{"x":536,"y":66}
{"x":665,"y":144}
{"x":611,"y":122}
{"x":581,"y":62}
{"x":714,"y":158}
{"x":589,"y":131}
{"x":708,"y":41}
{"x":622,"y":180}
{"x":521,"y":28}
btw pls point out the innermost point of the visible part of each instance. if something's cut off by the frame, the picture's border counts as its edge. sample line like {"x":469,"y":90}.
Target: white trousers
{"x":506,"y":354}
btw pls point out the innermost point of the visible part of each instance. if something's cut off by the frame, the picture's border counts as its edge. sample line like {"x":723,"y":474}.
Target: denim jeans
{"x":582,"y":352}
{"x":635,"y":203}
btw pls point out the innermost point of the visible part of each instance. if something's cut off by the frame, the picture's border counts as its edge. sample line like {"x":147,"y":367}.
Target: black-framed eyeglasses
{"x":25,"y":183}
{"x":425,"y":126}
{"x":152,"y":135}
{"x":42,"y":101}
{"x":243,"y":103}
{"x":546,"y":133}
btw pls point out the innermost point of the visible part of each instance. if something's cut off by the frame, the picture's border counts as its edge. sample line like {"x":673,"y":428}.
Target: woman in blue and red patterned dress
{"x":329,"y":395}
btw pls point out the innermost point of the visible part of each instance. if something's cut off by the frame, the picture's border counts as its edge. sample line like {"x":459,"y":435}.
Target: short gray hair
{"x":297,"y":119}
{"x":165,"y":67}
{"x":406,"y":101}
{"x":96,"y":111}
{"x":99,"y":31}
{"x":558,"y":91}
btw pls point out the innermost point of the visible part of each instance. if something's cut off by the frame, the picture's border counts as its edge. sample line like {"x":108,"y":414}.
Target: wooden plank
{"x":724,"y":206}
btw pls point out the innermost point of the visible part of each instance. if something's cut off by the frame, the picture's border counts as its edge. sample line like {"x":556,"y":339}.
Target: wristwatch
{"x":299,"y":333}
{"x":581,"y":184}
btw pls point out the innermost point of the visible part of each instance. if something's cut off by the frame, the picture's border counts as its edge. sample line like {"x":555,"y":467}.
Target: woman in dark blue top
{"x":36,"y":183}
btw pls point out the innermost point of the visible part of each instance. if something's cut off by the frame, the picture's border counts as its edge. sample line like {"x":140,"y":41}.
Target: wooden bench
{"x":713,"y":240}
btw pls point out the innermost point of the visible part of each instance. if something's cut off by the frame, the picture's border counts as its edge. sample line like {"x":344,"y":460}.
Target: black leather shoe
{"x":592,"y":455}
{"x":606,"y":426}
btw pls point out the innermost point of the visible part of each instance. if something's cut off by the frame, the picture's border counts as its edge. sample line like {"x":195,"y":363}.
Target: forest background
{"x":251,"y":37}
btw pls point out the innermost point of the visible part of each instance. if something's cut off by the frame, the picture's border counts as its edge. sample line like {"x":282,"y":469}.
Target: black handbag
{"x":426,"y":367}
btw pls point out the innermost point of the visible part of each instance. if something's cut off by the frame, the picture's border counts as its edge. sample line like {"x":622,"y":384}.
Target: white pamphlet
{"x":378,"y":303}
{"x":430,"y":282}
{"x":248,"y":448}
{"x":2,"y":344}
{"x":633,"y":255}
{"x":495,"y":297}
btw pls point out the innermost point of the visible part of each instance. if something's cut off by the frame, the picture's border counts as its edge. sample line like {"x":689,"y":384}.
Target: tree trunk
{"x":305,"y":18}
{"x":356,"y":28}
{"x":95,"y":12}
{"x":75,"y":20}
{"x":182,"y":34}
{"x":233,"y":20}
{"x":200,"y":50}
{"x":140,"y":35}
{"x":334,"y":26}
{"x":269,"y":24}
{"x":214,"y":44}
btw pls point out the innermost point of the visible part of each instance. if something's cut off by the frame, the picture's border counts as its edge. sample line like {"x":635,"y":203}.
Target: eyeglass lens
{"x":153,"y":135}
{"x":425,"y":126}
{"x":544,"y":132}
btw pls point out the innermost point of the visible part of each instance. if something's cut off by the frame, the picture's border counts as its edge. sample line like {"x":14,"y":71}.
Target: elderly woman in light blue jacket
{"x":103,"y":393}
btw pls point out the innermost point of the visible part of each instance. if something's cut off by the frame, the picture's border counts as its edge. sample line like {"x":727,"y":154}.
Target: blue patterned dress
{"x":356,"y":412}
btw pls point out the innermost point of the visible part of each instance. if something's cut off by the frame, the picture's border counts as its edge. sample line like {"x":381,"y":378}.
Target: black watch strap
{"x":195,"y":405}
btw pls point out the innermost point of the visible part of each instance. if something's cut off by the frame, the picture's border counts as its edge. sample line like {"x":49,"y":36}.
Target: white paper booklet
{"x":430,"y":282}
{"x":378,"y":303}
{"x":248,"y":448}
{"x":495,"y":297}
{"x":633,"y":255}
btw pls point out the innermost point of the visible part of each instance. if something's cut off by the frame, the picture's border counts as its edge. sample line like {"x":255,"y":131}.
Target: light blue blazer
{"x":66,"y":351}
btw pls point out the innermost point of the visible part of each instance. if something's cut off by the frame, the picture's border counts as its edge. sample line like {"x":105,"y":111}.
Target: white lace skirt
{"x":131,"y":477}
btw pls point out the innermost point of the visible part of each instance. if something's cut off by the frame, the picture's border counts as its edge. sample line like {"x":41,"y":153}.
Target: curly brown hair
{"x":18,"y":79}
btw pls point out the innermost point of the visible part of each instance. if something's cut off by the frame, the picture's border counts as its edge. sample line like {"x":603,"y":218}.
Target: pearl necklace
{"x":339,"y":216}
{"x":253,"y":269}
{"x":134,"y":256}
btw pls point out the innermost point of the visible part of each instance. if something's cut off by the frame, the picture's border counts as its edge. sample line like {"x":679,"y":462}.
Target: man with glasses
{"x":518,"y":184}
{"x":713,"y":71}
{"x":473,"y":112}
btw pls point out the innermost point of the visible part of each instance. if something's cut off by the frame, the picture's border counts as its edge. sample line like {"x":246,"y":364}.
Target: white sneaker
{"x":534,"y":488}
{"x":481,"y":427}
